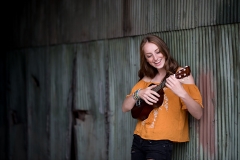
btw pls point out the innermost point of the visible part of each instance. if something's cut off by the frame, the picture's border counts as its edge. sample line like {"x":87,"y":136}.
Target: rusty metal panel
{"x":91,"y":127}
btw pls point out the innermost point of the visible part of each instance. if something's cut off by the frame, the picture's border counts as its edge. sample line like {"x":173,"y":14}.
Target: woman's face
{"x":153,"y":55}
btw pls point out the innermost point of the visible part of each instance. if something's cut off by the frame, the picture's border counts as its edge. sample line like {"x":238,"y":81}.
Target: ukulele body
{"x":141,"y":109}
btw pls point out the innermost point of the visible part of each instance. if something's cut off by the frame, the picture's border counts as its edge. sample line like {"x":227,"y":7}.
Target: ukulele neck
{"x":161,"y":85}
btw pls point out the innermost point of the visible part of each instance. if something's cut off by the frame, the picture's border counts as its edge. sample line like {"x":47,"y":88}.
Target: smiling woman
{"x":167,"y":122}
{"x":153,"y":56}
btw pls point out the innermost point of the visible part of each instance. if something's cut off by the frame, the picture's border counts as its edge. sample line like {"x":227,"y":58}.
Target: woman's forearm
{"x":193,"y":107}
{"x":128,"y":104}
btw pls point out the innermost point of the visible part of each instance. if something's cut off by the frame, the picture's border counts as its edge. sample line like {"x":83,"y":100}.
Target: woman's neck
{"x":159,"y":76}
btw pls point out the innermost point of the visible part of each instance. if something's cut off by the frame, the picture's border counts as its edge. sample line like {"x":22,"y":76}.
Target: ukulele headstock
{"x":184,"y":72}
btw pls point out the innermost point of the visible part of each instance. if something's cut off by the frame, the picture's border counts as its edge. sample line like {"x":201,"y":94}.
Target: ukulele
{"x":141,"y":109}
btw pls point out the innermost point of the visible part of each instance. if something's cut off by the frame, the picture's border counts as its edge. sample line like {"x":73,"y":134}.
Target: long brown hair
{"x":171,"y":65}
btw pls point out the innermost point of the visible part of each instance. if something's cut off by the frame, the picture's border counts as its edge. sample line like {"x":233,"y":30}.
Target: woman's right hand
{"x":148,"y":95}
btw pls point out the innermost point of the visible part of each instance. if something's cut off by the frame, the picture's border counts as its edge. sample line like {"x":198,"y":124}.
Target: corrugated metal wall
{"x":16,"y":115}
{"x":91,"y":128}
{"x":50,"y":22}
{"x":213,"y":55}
{"x":39,"y":103}
{"x":49,"y":88}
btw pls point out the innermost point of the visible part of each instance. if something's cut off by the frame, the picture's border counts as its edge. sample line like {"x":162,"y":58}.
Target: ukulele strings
{"x":162,"y":83}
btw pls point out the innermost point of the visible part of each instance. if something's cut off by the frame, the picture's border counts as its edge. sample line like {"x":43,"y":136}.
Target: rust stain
{"x":207,"y":122}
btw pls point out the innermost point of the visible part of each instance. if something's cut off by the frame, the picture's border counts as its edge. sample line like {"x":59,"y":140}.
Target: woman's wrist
{"x":136,"y":95}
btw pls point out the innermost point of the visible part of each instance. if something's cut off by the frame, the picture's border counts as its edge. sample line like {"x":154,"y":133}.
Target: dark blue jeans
{"x":151,"y":149}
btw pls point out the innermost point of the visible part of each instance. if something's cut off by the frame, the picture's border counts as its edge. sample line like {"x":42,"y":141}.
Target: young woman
{"x":153,"y":137}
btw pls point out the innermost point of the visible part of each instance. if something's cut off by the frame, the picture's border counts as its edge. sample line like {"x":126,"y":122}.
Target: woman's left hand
{"x":175,"y":85}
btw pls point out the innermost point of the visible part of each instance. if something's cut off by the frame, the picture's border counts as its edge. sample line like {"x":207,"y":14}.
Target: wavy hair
{"x":171,"y":65}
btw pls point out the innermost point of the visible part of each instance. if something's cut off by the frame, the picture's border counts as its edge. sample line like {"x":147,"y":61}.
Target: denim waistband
{"x":149,"y":140}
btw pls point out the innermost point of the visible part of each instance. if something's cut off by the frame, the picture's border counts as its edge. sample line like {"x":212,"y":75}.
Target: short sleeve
{"x":139,"y":85}
{"x":194,"y":92}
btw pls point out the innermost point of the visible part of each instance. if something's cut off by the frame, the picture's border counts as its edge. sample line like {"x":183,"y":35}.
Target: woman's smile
{"x":158,"y":61}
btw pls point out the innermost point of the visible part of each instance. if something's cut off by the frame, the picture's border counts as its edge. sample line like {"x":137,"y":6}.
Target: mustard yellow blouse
{"x":170,"y":120}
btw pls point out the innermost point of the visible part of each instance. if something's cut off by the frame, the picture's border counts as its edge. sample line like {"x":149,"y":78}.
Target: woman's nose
{"x":154,"y":57}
